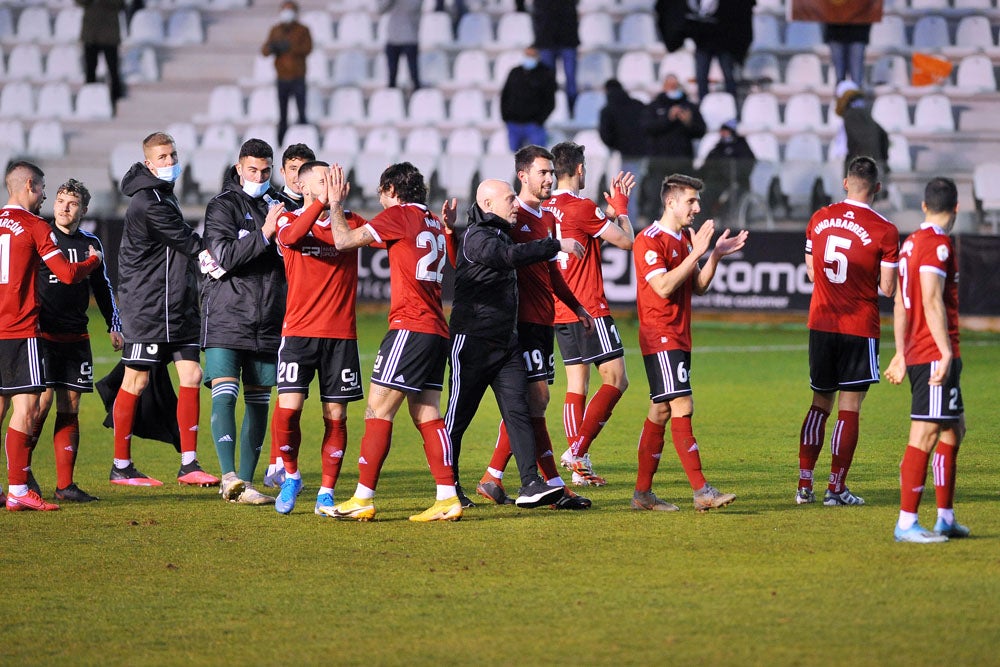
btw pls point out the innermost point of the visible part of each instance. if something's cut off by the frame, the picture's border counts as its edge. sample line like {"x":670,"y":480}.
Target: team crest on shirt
{"x":599,"y":213}
{"x":651,"y":257}
{"x":942,"y":253}
{"x":849,"y":215}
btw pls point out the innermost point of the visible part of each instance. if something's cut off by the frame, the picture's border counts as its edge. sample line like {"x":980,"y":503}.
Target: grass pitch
{"x":175,"y":576}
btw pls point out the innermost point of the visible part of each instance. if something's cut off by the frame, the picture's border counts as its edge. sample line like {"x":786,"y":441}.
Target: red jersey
{"x":417,"y":247}
{"x":322,"y":281}
{"x":664,"y":324}
{"x":534,"y":285}
{"x":927,"y":250}
{"x":24,"y":240}
{"x":580,"y":219}
{"x":849,"y":244}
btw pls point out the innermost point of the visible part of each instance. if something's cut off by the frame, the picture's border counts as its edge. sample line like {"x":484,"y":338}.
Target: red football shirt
{"x":580,"y":219}
{"x":24,"y":240}
{"x":322,"y":281}
{"x":927,"y":250}
{"x":536,"y":303}
{"x":849,"y":243}
{"x":417,"y":248}
{"x":664,"y":324}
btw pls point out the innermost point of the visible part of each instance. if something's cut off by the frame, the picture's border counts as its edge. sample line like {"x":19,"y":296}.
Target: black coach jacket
{"x":485,"y":303}
{"x":157,"y":263}
{"x":242,"y":310}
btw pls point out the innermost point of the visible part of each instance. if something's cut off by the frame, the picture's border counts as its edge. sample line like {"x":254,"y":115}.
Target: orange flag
{"x":929,"y":70}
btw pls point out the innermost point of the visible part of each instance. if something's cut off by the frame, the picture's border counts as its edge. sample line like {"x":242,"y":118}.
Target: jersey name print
{"x":578,"y":218}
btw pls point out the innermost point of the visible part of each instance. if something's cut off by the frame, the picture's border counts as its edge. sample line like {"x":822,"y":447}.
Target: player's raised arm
{"x":337,"y":189}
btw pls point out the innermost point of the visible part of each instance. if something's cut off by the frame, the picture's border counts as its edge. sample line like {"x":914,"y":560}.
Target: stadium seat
{"x":933,"y":113}
{"x":801,"y":172}
{"x":63,"y":63}
{"x":974,"y":34}
{"x":467,"y":107}
{"x":637,"y":32}
{"x":46,"y":139}
{"x":930,"y":33}
{"x":804,"y":147}
{"x":139,"y":64}
{"x":341,"y":145}
{"x":475,"y":31}
{"x":891,"y":72}
{"x":457,"y":166}
{"x":225,"y":103}
{"x":514,"y":31}
{"x":262,"y":72}
{"x":470,"y":69}
{"x":435,"y":31}
{"x":93,"y":102}
{"x":985,"y":177}
{"x":804,"y":72}
{"x":185,"y":27}
{"x":975,"y":75}
{"x":347,"y":105}
{"x":208,"y":168}
{"x":680,"y":64}
{"x":381,"y":148}
{"x":355,"y":29}
{"x":25,"y":63}
{"x":900,"y":161}
{"x":427,"y":107}
{"x":55,"y":100}
{"x":596,"y":31}
{"x":146,"y":27}
{"x":766,"y":33}
{"x":422,"y":148}
{"x":803,"y":36}
{"x":597,"y":155}
{"x":67,"y":26}
{"x":636,"y":70}
{"x":320,"y":29}
{"x":764,"y":146}
{"x":508,"y":60}
{"x":705,"y":145}
{"x":888,"y":36}
{"x":350,"y":68}
{"x":717,"y":108}
{"x":221,"y":137}
{"x":123,"y":155}
{"x":185,"y":136}
{"x":34,"y":25}
{"x":386,"y":107}
{"x":593,"y":69}
{"x":804,"y":113}
{"x":262,"y":106}
{"x":17,"y":100}
{"x":760,"y":68}
{"x":587,"y":108}
{"x":930,"y":5}
{"x":760,"y":113}
{"x":12,"y":135}
{"x":6,"y":24}
{"x":891,"y":112}
{"x":301,"y":134}
{"x":317,"y":69}
{"x":435,"y":70}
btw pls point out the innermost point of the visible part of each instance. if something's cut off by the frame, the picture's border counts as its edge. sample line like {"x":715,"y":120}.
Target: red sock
{"x":687,"y":450}
{"x":842,"y":446}
{"x":66,"y":441}
{"x":944,"y":466}
{"x":650,"y":449}
{"x":334,"y":442}
{"x":286,"y":436}
{"x":188,"y":411}
{"x":123,"y":415}
{"x":437,"y":448}
{"x":544,"y":458}
{"x":17,"y":445}
{"x":597,"y":414}
{"x":573,"y":408}
{"x":501,"y":453}
{"x":374,"y":448}
{"x":811,"y":444}
{"x":912,"y":473}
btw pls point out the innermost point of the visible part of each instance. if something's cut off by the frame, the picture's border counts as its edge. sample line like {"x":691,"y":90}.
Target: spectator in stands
{"x":847,"y":42}
{"x":621,"y":131}
{"x":671,"y":123}
{"x":100,"y":34}
{"x":726,"y":172}
{"x":527,"y":100}
{"x":401,"y":35}
{"x":289,"y":42}
{"x":860,"y":134}
{"x":557,"y":34}
{"x":720,"y":30}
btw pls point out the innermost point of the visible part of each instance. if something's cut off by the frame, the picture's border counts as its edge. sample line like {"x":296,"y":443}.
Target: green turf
{"x":175,"y":576}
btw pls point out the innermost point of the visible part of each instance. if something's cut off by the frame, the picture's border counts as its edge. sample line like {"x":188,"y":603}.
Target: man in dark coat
{"x":728,"y":164}
{"x":621,"y":131}
{"x":527,"y":100}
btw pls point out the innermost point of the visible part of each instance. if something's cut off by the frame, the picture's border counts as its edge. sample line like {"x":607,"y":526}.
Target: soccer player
{"x":64,"y":337}
{"x":411,"y":359}
{"x":292,"y":159}
{"x":319,"y":335}
{"x":536,"y":284}
{"x":666,"y":256}
{"x":158,"y":298}
{"x":926,"y":333}
{"x":485,"y":351}
{"x":25,"y":239}
{"x":579,"y":219}
{"x":241,"y":316}
{"x":851,"y":254}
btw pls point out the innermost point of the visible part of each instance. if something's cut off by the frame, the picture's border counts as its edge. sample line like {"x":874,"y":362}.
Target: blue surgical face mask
{"x":169,"y":174}
{"x":255,"y":189}
{"x":529,"y":62}
{"x":675,"y":94}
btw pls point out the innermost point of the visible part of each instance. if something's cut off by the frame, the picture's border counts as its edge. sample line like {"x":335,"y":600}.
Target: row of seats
{"x":213,"y":5}
{"x":44,"y":138}
{"x":36,"y":25}
{"x":91,"y":102}
{"x":64,"y":62}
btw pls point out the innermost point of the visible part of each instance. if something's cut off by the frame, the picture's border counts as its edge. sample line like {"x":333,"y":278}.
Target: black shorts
{"x":142,"y":355}
{"x":600,"y":344}
{"x":22,"y":369}
{"x":68,"y":365}
{"x":536,"y":341}
{"x":335,"y":359}
{"x":935,"y":404}
{"x":669,"y":375}
{"x":841,"y":362}
{"x":411,"y":361}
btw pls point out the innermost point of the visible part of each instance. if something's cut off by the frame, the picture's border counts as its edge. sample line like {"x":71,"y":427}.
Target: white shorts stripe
{"x":456,"y":380}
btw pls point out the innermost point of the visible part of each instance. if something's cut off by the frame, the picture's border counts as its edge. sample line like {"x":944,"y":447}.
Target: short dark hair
{"x":406,"y":180}
{"x":526,"y":156}
{"x":312,"y":164}
{"x":865,"y":170}
{"x":75,"y":187}
{"x":567,"y":156}
{"x":297,"y":151}
{"x":941,"y":195}
{"x":679,"y":182}
{"x":19,"y":165}
{"x":256,"y":148}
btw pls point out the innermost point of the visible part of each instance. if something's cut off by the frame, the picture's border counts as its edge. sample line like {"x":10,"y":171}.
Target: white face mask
{"x":675,"y":94}
{"x":169,"y":174}
{"x":256,"y":189}
{"x":287,"y":15}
